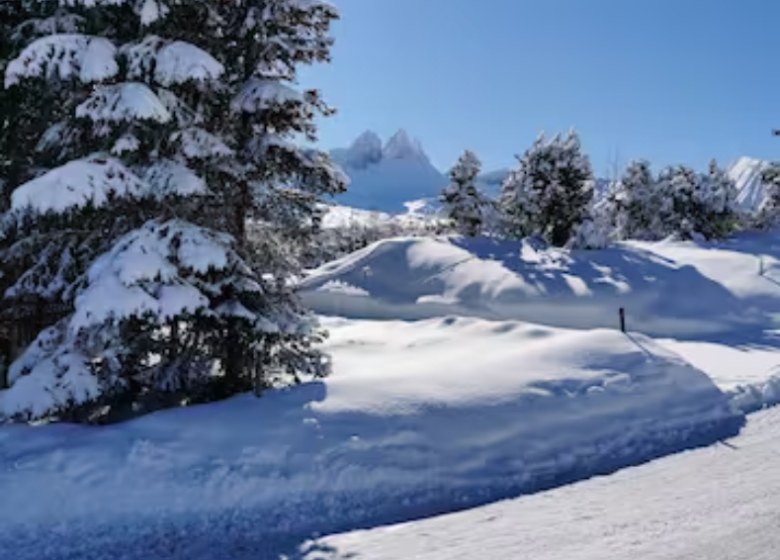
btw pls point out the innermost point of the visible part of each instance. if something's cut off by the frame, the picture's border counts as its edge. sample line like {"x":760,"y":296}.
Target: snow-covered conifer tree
{"x":174,"y":134}
{"x":550,"y":193}
{"x":768,"y":213}
{"x":461,"y":200}
{"x":632,"y":202}
{"x":691,"y":203}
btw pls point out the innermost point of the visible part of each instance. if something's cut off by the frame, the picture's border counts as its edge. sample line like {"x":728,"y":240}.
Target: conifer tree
{"x":169,"y":156}
{"x":550,"y":193}
{"x":632,"y":201}
{"x":463,"y":204}
{"x":768,"y":213}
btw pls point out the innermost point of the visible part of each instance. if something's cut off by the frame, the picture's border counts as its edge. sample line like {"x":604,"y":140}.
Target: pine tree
{"x":692,"y":203}
{"x":768,"y":213}
{"x":550,"y":193}
{"x":462,"y":202}
{"x":632,"y":202}
{"x":169,"y":203}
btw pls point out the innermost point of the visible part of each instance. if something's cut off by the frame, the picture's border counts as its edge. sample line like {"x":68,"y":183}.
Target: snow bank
{"x":419,"y":418}
{"x":414,"y":278}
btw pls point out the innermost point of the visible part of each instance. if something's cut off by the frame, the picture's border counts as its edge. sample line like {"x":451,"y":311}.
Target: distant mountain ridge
{"x":386,"y":176}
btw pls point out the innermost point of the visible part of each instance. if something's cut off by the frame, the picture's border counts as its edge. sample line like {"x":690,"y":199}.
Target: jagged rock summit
{"x":387,"y":176}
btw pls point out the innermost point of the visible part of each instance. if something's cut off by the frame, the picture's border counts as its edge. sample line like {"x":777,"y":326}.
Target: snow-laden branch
{"x":258,"y":95}
{"x":170,"y":62}
{"x":197,"y":143}
{"x":91,"y":59}
{"x":76,"y":183}
{"x":123,"y":102}
{"x":168,"y":178}
{"x":158,"y":270}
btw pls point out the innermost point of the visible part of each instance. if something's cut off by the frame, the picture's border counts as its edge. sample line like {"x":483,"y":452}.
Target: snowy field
{"x":667,"y":289}
{"x":465,"y":373}
{"x":718,"y":503}
{"x":421,"y":418}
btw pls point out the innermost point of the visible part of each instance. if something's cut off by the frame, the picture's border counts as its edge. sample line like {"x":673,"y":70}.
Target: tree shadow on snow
{"x":646,"y":284}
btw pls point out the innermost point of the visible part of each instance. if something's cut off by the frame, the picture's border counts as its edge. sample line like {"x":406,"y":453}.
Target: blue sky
{"x":673,"y":81}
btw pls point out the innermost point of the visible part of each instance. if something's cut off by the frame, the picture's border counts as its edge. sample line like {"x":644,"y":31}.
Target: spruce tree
{"x":768,"y":213}
{"x":463,"y":204}
{"x":550,"y":193}
{"x":694,"y":203}
{"x":632,"y":202}
{"x":169,"y":201}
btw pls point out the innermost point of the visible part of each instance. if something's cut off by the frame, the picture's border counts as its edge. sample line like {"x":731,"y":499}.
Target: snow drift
{"x":414,"y":278}
{"x":421,"y":418}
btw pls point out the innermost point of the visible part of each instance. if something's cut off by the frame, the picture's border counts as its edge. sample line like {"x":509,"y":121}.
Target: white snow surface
{"x":179,"y":62}
{"x":259,"y":94}
{"x":746,"y":174}
{"x":714,"y":503}
{"x":415,"y":278}
{"x":126,"y":101}
{"x":92,"y":59}
{"x":420,"y":418}
{"x":76,"y":183}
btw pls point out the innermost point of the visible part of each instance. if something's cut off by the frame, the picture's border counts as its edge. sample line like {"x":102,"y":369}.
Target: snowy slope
{"x":746,"y":173}
{"x":419,"y":418}
{"x":719,"y":503}
{"x":414,"y":278}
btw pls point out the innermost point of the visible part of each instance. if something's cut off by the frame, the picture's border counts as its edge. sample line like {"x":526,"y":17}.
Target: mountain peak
{"x":401,"y":146}
{"x":365,"y":151}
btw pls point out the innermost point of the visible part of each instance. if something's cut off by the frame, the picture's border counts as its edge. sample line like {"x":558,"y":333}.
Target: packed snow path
{"x":722,"y":502}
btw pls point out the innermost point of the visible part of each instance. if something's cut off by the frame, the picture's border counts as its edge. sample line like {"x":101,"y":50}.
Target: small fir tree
{"x":462,"y":202}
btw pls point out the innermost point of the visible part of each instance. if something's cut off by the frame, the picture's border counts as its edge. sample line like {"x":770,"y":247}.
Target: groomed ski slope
{"x":718,"y":503}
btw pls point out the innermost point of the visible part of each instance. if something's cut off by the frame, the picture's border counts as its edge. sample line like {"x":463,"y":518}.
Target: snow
{"x":420,"y":418}
{"x":746,"y":173}
{"x":714,"y":503}
{"x":259,"y":94}
{"x":414,"y":278}
{"x":127,"y":101}
{"x":179,"y":62}
{"x":146,"y":271}
{"x":64,"y":56}
{"x":166,"y":178}
{"x":401,"y":146}
{"x":76,"y":183}
{"x":197,"y":143}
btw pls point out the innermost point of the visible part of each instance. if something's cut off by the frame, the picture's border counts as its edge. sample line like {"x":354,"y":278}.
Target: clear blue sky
{"x":674,"y":81}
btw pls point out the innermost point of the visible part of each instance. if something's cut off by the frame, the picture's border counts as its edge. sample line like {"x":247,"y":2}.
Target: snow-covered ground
{"x":421,"y":418}
{"x":667,"y":289}
{"x":718,"y":503}
{"x":465,"y":373}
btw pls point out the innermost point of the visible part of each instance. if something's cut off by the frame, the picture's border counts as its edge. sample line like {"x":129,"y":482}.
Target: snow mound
{"x":420,"y":418}
{"x":414,"y":278}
